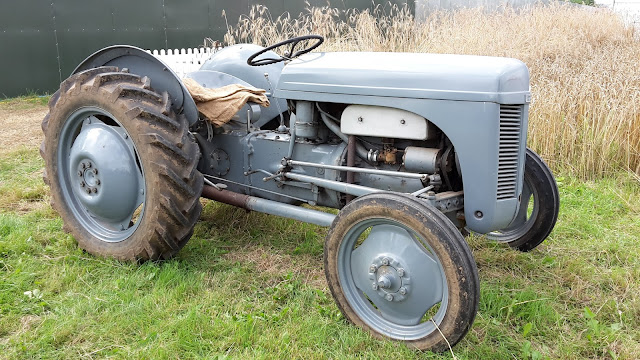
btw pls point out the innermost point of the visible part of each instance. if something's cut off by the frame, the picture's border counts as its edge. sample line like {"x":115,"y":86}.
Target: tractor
{"x":414,"y":150}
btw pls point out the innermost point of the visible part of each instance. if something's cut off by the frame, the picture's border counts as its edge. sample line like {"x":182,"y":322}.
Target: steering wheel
{"x":289,"y":55}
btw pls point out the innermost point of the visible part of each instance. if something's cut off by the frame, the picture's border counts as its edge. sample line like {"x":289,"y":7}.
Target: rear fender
{"x":142,"y":63}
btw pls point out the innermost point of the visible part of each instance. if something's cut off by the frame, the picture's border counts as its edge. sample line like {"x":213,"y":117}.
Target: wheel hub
{"x":107,"y":179}
{"x":389,"y":278}
{"x":89,"y":181}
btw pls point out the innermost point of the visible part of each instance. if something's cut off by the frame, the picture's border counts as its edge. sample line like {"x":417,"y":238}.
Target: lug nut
{"x":88,"y":190}
{"x":374,"y":286}
{"x":95,"y":191}
{"x":79,"y":173}
{"x":97,"y":181}
{"x":82,"y":184}
{"x":403,"y":290}
{"x":385,"y":261}
{"x":95,"y":171}
{"x":89,"y":165}
{"x":389,"y":297}
{"x":401,"y":272}
{"x":373,"y":268}
{"x":83,"y":166}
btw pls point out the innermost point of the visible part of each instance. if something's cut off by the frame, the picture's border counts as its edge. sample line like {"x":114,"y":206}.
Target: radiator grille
{"x":510,"y":129}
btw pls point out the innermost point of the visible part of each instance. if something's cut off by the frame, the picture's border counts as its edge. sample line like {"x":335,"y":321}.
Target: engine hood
{"x":405,"y":75}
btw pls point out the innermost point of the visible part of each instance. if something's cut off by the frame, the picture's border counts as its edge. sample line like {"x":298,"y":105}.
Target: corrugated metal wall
{"x":42,"y":41}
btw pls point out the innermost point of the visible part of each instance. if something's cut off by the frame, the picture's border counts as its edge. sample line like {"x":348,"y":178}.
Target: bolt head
{"x":385,"y":261}
{"x":95,"y":171}
{"x":82,"y":184}
{"x":89,"y":164}
{"x":97,"y":181}
{"x":79,"y":173}
{"x":373,"y":268}
{"x":95,"y":191}
{"x":88,"y":190}
{"x":401,"y":272}
{"x":402,"y":122}
{"x":389,"y":297}
{"x":360,"y":119}
{"x":402,"y":290}
{"x":374,"y":286}
{"x":83,"y":166}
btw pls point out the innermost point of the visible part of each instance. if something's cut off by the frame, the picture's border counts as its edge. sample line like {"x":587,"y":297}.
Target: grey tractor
{"x":415,"y":150}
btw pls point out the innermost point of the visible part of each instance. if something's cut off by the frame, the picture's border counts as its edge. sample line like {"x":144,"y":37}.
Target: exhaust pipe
{"x":253,"y":203}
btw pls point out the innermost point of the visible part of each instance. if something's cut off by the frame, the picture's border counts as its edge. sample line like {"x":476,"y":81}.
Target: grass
{"x":24,"y":102}
{"x":249,"y":285}
{"x":585,"y":81}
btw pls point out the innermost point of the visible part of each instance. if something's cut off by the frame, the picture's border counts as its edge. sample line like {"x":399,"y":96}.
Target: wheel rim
{"x":524,"y":220}
{"x":100,"y":174}
{"x":382,"y":257}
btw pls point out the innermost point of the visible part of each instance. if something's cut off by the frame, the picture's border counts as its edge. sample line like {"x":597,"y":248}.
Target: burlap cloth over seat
{"x":220,"y":104}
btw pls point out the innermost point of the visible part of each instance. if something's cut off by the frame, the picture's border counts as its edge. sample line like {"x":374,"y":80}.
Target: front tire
{"x":121,"y":166}
{"x":400,"y":269}
{"x":539,"y":207}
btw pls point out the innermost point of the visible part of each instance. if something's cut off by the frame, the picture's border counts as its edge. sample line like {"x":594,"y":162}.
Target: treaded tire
{"x":166,"y":157}
{"x":544,"y":190}
{"x":443,"y":241}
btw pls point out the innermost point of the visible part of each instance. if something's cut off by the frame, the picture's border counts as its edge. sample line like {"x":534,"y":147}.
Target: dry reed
{"x":583,"y":61}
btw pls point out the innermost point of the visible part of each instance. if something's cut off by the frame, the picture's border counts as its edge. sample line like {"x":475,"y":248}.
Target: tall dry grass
{"x":584,"y":65}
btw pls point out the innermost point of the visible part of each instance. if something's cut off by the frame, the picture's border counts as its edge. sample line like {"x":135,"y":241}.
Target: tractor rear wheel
{"x":121,"y":166}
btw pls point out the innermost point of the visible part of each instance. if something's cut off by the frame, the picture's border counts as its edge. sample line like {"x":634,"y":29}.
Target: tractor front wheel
{"x":121,"y":166}
{"x":400,"y":269}
{"x":539,"y":207}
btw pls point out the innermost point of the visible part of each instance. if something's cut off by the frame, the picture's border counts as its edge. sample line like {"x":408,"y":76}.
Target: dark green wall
{"x":41,"y":42}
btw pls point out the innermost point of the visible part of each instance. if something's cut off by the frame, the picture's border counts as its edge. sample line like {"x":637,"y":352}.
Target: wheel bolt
{"x":373,"y":268}
{"x":401,"y":272}
{"x":385,"y":261}
{"x":98,"y":182}
{"x":89,"y":165}
{"x":88,"y":190}
{"x":82,"y":184}
{"x":79,"y":173}
{"x":374,"y":286}
{"x":83,"y":166}
{"x":95,"y":171}
{"x":389,"y":297}
{"x":403,"y":290}
{"x":95,"y":191}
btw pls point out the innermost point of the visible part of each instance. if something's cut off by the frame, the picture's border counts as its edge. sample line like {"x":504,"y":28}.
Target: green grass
{"x":25,"y":102}
{"x":250,"y":285}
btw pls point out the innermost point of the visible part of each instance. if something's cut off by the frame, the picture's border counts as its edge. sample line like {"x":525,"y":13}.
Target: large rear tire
{"x":400,"y":269}
{"x":121,"y":166}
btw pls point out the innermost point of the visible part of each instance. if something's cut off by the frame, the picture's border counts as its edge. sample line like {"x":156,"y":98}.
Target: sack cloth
{"x":220,"y":104}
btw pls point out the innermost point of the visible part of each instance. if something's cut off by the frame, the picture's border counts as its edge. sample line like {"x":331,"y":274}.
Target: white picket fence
{"x":183,"y":61}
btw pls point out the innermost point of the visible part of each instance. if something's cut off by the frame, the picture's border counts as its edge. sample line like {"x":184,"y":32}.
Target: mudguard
{"x":142,"y":63}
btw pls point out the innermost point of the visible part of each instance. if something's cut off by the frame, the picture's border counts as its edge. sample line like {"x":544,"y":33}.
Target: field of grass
{"x":249,"y":285}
